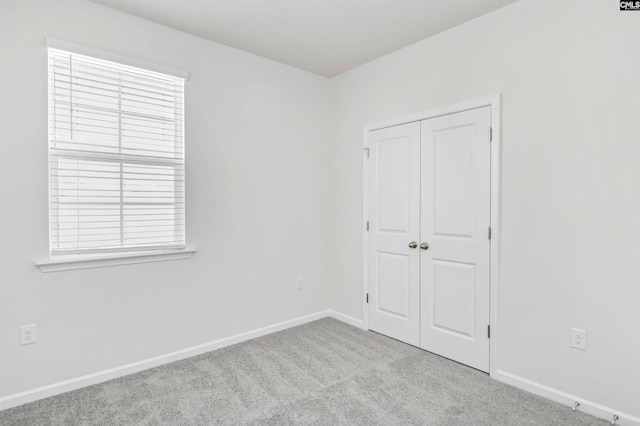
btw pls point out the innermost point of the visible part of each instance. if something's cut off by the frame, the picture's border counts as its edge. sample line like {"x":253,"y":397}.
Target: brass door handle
{"x":413,"y":244}
{"x":424,"y":246}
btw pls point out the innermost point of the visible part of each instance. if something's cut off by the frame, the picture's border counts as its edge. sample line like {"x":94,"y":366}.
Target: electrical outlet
{"x":300,"y":282}
{"x":578,"y":339}
{"x":27,"y":334}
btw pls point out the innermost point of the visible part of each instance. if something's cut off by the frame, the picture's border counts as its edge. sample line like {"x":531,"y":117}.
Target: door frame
{"x":495,"y":102}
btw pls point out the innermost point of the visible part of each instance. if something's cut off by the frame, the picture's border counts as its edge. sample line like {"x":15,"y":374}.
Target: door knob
{"x":413,"y":244}
{"x":424,"y":246}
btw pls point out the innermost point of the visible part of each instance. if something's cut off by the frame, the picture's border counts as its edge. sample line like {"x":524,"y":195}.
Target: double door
{"x":429,"y":248}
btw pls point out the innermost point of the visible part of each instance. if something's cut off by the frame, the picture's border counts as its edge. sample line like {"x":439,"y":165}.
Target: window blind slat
{"x":62,"y":65}
{"x":163,"y":97}
{"x":64,"y":107}
{"x":116,"y":157}
{"x":67,"y":105}
{"x":118,"y":93}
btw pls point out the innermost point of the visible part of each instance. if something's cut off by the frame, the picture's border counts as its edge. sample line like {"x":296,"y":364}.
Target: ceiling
{"x":326,"y":37}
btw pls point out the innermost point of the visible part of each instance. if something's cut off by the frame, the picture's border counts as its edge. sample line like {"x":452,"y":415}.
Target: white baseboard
{"x":346,"y":319}
{"x":21,"y":398}
{"x":567,"y":399}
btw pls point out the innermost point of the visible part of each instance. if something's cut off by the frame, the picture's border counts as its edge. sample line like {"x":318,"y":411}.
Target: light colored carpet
{"x":323,"y":373}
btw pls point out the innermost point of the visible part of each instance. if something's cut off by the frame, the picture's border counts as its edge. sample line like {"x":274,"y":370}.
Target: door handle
{"x":413,"y":244}
{"x":424,"y":246}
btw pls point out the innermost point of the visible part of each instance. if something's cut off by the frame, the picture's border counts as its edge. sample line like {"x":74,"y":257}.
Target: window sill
{"x":71,"y":263}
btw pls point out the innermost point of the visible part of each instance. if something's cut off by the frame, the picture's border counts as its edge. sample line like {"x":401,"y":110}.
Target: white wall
{"x":257,"y":145}
{"x":568,"y":72}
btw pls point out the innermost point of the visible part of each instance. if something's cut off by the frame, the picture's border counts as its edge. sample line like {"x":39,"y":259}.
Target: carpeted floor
{"x":323,"y":373}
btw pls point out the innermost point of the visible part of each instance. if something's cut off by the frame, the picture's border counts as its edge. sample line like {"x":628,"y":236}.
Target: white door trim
{"x":495,"y":102}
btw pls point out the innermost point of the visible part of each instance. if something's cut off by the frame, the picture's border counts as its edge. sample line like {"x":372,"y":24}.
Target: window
{"x":116,"y":157}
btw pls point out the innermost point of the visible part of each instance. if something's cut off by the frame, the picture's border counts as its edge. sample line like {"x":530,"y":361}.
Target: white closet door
{"x":394,"y":206}
{"x":455,"y":219}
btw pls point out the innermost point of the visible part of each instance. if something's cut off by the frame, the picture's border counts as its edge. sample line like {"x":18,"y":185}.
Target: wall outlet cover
{"x":28,"y":334}
{"x":579,"y":339}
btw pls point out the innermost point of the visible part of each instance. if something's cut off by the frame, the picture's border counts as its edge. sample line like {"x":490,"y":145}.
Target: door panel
{"x":453,"y":297}
{"x":394,"y":182}
{"x":394,"y":208}
{"x":453,"y":181}
{"x":394,"y":273}
{"x":455,"y":218}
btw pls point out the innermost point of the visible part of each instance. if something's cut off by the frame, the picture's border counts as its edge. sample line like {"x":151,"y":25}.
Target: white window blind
{"x":116,"y":157}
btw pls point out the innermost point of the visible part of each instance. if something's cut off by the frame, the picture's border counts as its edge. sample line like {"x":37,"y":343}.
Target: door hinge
{"x":367,"y":225}
{"x":490,"y":134}
{"x":489,"y":232}
{"x":489,"y":331}
{"x":367,"y":297}
{"x":366,"y":151}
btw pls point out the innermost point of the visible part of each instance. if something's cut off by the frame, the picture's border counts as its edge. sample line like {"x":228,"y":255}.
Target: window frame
{"x":88,"y":258}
